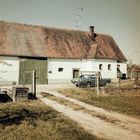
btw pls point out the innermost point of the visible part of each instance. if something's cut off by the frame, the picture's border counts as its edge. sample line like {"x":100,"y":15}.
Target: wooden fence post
{"x":119,"y":83}
{"x":98,"y":83}
{"x":34,"y":83}
{"x":14,"y":94}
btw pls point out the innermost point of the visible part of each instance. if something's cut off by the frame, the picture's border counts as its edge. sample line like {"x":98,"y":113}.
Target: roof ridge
{"x":41,"y":26}
{"x":49,"y":27}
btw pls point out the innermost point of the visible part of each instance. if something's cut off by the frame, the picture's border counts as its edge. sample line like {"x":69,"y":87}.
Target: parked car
{"x":89,"y":80}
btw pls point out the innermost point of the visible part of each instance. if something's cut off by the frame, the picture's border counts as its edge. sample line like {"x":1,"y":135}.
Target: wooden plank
{"x":20,"y":93}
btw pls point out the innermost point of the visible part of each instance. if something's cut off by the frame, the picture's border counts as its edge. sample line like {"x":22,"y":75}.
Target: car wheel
{"x":105,"y":84}
{"x":88,"y":84}
{"x":76,"y":84}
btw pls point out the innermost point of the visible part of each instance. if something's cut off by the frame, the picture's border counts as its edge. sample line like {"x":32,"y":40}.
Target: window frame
{"x":109,"y":66}
{"x":60,"y":69}
{"x":100,"y":66}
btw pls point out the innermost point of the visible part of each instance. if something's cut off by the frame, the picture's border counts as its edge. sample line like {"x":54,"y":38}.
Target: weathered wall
{"x":47,"y":70}
{"x":123,"y":68}
{"x":9,"y":70}
{"x":54,"y":76}
{"x":65,"y":76}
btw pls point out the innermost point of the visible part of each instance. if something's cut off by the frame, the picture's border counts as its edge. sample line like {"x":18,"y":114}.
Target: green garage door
{"x":26,"y":68}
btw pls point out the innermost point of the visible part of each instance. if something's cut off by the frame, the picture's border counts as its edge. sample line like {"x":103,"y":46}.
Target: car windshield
{"x":88,"y":76}
{"x":84,"y":76}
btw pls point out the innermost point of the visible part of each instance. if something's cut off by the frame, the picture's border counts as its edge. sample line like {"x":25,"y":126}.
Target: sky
{"x":118,"y":18}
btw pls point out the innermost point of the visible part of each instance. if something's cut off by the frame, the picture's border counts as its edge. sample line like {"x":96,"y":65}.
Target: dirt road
{"x":124,"y":128}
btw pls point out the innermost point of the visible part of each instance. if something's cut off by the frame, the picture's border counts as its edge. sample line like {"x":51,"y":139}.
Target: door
{"x":75,"y":73}
{"x":93,"y":80}
{"x":28,"y":65}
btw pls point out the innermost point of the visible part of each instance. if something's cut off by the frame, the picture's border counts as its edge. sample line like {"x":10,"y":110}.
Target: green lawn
{"x":33,"y":120}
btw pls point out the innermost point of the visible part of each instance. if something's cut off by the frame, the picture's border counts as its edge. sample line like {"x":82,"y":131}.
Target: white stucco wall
{"x":9,"y":70}
{"x":67,"y":74}
{"x":83,"y":65}
{"x":123,"y":67}
{"x":105,"y":73}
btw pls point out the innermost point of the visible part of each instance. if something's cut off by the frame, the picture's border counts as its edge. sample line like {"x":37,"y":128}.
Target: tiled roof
{"x":38,"y":41}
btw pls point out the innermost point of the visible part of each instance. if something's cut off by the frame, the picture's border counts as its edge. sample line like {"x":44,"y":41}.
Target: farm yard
{"x":77,"y":112}
{"x":69,"y":70}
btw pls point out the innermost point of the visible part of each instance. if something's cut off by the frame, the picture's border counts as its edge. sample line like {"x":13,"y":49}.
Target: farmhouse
{"x":58,"y":55}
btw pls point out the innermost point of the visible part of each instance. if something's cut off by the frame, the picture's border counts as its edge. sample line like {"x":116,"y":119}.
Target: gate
{"x":26,"y":68}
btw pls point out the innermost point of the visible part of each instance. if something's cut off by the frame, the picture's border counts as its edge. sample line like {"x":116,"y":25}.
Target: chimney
{"x":91,"y":30}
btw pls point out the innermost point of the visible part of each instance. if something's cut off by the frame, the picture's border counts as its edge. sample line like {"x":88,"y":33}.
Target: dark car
{"x":89,"y":80}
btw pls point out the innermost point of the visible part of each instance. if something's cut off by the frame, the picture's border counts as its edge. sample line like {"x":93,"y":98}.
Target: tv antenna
{"x":77,"y":17}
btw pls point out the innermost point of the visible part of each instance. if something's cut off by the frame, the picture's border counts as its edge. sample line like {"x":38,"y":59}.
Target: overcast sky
{"x":119,"y":18}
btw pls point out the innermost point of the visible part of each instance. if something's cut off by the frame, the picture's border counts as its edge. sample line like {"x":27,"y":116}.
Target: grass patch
{"x":33,"y":120}
{"x":125,"y":101}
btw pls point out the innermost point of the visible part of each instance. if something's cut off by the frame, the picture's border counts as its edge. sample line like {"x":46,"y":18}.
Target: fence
{"x":132,"y":74}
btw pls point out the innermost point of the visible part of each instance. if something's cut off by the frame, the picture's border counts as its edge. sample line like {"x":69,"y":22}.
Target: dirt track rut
{"x":128,"y":128}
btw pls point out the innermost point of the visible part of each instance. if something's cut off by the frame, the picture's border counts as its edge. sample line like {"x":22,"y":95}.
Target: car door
{"x":93,"y":80}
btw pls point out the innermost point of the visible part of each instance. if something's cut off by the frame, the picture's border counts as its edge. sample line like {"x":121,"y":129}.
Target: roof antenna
{"x":77,"y":17}
{"x":76,"y":22}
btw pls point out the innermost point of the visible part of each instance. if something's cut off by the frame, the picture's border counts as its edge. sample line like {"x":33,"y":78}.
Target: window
{"x":100,"y":66}
{"x":93,"y":77}
{"x":118,"y":68}
{"x":118,"y":71}
{"x":60,"y":69}
{"x":85,"y":76}
{"x":50,"y":71}
{"x":75,"y":73}
{"x":109,"y":66}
